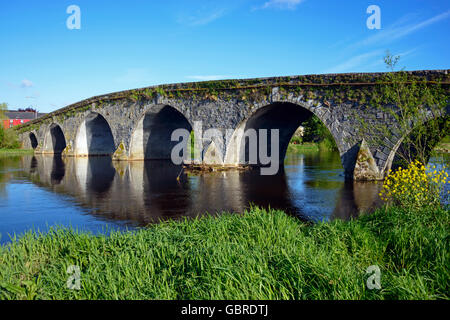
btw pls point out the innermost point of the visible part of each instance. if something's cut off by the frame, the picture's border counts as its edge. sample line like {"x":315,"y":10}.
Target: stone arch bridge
{"x":137,"y":124}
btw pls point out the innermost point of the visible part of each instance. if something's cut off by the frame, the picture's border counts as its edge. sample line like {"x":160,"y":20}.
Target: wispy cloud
{"x":366,"y":61}
{"x":356,"y":62}
{"x":202,"y":18}
{"x":282,"y":4}
{"x":33,"y":96}
{"x":400,"y":30}
{"x":209,"y":77}
{"x":133,"y":76}
{"x":377,"y":43}
{"x":26,"y":83}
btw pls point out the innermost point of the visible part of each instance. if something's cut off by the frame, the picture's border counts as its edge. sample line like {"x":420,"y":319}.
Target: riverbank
{"x":258,"y":255}
{"x":15,"y":152}
{"x":303,"y":148}
{"x":444,"y":145}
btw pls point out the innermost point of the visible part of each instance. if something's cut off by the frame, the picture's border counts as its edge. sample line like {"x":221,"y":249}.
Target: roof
{"x":12,"y":114}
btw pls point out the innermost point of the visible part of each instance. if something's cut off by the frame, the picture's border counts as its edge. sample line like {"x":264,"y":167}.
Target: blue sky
{"x":136,"y":43}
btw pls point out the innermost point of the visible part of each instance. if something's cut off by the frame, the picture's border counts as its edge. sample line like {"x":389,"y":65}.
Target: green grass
{"x":258,"y":255}
{"x":303,"y":148}
{"x":307,"y":147}
{"x":443,"y":145}
{"x":15,"y":152}
{"x":446,"y":139}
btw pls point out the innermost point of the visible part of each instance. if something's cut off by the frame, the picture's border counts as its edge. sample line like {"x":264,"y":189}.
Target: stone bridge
{"x":138,"y":124}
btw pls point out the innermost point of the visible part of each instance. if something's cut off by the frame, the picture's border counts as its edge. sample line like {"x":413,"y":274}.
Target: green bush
{"x":8,"y":139}
{"x":316,"y":131}
{"x":296,"y":140}
{"x":415,"y":186}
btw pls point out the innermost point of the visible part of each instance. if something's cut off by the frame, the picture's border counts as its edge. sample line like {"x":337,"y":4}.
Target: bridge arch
{"x":33,"y":140}
{"x":285,"y":116}
{"x":94,"y":137}
{"x":394,"y":159}
{"x":151,"y":137}
{"x":54,"y":140}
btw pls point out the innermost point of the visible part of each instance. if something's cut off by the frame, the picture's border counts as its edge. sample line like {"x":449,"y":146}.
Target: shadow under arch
{"x":284,"y":116}
{"x":100,"y":175}
{"x":33,"y":140}
{"x":33,"y":164}
{"x":58,"y":170}
{"x":256,"y":191}
{"x":404,"y":151}
{"x":356,"y":198}
{"x":94,"y":137}
{"x":54,"y":141}
{"x":166,"y":196}
{"x":151,"y":139}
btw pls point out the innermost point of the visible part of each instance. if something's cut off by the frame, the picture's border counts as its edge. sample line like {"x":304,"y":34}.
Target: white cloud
{"x":282,"y":4}
{"x":398,"y":31}
{"x":208,"y":77}
{"x":26,"y":83}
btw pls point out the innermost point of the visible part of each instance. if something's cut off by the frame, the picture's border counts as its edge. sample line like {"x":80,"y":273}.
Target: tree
{"x":3,"y":109}
{"x":29,"y":109}
{"x":418,"y":108}
{"x":316,"y":131}
{"x":8,"y":138}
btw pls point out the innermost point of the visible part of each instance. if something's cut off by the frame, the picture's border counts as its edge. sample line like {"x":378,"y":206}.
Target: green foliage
{"x":419,"y":144}
{"x":259,"y":255}
{"x":8,"y":139}
{"x":416,"y":186}
{"x":296,"y":140}
{"x":391,"y":61}
{"x":134,"y":96}
{"x":316,"y":131}
{"x":8,"y":153}
{"x":160,"y":91}
{"x":3,"y":109}
{"x":305,"y":147}
{"x":192,"y":144}
{"x":413,"y":104}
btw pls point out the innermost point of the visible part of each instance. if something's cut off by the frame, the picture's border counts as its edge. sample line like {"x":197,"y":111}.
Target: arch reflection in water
{"x":58,"y":170}
{"x":319,"y":191}
{"x":47,"y":170}
{"x":143,"y":192}
{"x":355,"y":198}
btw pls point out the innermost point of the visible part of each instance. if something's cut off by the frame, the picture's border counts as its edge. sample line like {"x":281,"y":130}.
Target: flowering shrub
{"x":415,"y":186}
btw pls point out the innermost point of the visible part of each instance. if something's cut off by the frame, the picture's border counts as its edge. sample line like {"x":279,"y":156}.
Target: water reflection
{"x":141,"y":192}
{"x":89,"y":193}
{"x":356,"y":197}
{"x":58,"y":170}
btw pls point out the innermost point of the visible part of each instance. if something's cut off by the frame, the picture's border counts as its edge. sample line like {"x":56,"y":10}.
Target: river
{"x":96,"y":194}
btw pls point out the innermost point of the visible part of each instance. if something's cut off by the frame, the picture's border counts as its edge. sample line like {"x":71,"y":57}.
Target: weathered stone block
{"x":366,"y":167}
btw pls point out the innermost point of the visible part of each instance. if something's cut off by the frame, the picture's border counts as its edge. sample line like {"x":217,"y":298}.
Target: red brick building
{"x":15,"y":118}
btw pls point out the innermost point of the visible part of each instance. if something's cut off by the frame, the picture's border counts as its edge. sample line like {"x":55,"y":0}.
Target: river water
{"x":96,"y":194}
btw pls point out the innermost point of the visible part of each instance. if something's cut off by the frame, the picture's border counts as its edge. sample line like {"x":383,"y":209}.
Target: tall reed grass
{"x":258,"y":255}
